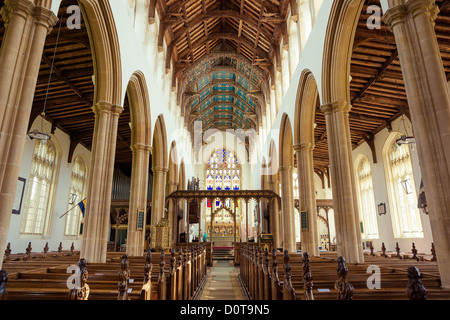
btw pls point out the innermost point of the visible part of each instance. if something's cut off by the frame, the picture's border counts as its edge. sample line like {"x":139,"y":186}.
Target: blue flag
{"x":82,"y":206}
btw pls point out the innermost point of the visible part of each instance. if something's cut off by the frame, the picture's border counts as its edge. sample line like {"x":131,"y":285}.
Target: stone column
{"x":138,"y":199}
{"x":159,"y":194}
{"x":98,"y":206}
{"x":172,"y":211}
{"x":348,"y":236}
{"x":412,"y":23}
{"x":274,"y":185}
{"x":287,"y":209}
{"x":305,"y":163}
{"x":26,"y":28}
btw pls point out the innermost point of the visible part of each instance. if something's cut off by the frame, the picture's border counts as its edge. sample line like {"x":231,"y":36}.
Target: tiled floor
{"x":223,"y":282}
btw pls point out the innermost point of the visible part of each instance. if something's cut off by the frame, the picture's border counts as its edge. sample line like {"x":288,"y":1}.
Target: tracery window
{"x":76,"y":195}
{"x":40,"y":189}
{"x":402,"y":193}
{"x":223,"y":171}
{"x":366,"y":199}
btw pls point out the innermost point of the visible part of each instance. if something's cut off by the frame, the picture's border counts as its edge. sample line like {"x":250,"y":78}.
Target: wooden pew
{"x":39,"y":279}
{"x":300,"y":282}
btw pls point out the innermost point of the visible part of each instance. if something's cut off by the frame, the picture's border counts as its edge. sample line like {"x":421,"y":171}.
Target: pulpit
{"x":266,"y":242}
{"x":160,"y":239}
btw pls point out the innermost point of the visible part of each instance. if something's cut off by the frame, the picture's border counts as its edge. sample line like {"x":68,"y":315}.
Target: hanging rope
{"x":41,"y":135}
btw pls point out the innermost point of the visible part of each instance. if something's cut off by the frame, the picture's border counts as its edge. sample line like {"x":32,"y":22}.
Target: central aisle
{"x":223,"y":282}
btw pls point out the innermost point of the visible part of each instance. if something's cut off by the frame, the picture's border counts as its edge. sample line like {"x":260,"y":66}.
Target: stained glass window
{"x":223,"y":171}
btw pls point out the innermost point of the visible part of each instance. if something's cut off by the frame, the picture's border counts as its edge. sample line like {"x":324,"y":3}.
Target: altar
{"x":223,"y":241}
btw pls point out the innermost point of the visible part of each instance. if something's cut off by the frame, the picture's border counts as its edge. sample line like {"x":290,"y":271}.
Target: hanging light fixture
{"x":406,"y":184}
{"x":406,"y":139}
{"x":36,"y":134}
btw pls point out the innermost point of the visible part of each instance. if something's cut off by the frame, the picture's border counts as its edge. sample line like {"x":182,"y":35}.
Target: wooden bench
{"x":263,"y":278}
{"x":153,"y":276}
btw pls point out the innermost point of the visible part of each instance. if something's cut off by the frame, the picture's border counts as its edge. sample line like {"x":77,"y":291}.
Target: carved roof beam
{"x":225,"y":14}
{"x":188,"y":34}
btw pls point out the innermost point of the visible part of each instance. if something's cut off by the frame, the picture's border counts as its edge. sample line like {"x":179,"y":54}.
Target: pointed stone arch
{"x":286,"y":140}
{"x":105,"y":50}
{"x":274,"y":185}
{"x":107,"y":107}
{"x":338,"y":47}
{"x":305,"y":118}
{"x":305,"y":108}
{"x":172,"y":186}
{"x":139,"y":102}
{"x":159,"y":145}
{"x":160,"y":170}
{"x":139,"y":105}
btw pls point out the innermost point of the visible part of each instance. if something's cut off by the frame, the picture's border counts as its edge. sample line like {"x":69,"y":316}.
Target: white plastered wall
{"x":385,"y":228}
{"x":18,"y":241}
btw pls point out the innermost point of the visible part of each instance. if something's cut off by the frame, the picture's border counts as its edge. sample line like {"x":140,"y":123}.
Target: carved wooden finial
{"x":148,"y":266}
{"x":162,"y":263}
{"x":383,"y":250}
{"x":27,"y":252}
{"x":82,"y":291}
{"x":415,"y":289}
{"x":7,"y":252}
{"x":274,"y":257}
{"x":172,"y":260}
{"x":307,"y":277}
{"x":45,"y":250}
{"x":3,"y":281}
{"x":124,"y":278}
{"x":343,"y":287}
{"x":371,"y":250}
{"x":267,"y":260}
{"x":397,"y":249}
{"x":60,"y":248}
{"x":180,"y":258}
{"x":433,"y":252}
{"x":287,"y":265}
{"x":414,"y":252}
{"x":260,"y":262}
{"x":72,"y":249}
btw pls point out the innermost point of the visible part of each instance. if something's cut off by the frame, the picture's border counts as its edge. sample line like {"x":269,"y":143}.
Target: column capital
{"x":398,"y":13}
{"x":304,"y":146}
{"x":285,"y":168}
{"x":107,"y":107}
{"x":428,"y":7}
{"x":335,"y":107}
{"x":141,"y":147}
{"x":21,"y":8}
{"x":45,"y":17}
{"x":160,"y":169}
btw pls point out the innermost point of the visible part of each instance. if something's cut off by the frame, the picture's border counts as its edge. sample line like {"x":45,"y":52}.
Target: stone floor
{"x":222,"y":282}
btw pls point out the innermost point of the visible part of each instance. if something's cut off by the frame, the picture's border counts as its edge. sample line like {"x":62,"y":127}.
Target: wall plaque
{"x":140,"y":220}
